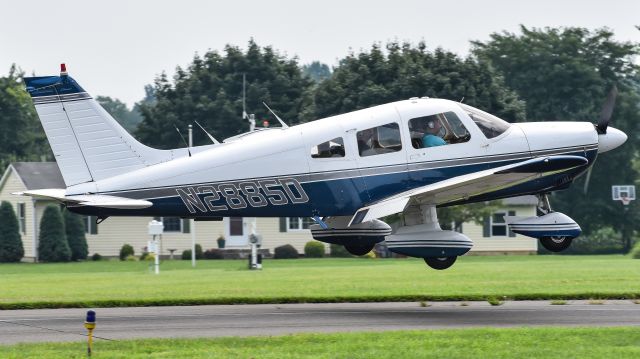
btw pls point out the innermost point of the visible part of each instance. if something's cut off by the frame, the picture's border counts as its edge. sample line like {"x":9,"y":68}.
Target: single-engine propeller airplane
{"x":345,"y":171}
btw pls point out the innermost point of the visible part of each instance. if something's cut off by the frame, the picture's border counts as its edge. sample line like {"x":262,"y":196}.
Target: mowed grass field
{"x":583,"y":343}
{"x":112,"y":283}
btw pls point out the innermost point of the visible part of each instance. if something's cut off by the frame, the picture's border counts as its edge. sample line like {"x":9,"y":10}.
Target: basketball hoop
{"x":623,"y":193}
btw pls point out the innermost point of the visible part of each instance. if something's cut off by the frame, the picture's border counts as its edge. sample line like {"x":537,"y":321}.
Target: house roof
{"x":38,"y":175}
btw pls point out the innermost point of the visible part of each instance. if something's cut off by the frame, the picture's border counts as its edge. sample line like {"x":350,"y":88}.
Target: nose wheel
{"x":440,"y":263}
{"x":359,"y":249}
{"x":556,"y":243}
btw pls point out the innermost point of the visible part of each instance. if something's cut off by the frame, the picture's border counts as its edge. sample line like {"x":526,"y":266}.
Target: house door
{"x":237,"y":230}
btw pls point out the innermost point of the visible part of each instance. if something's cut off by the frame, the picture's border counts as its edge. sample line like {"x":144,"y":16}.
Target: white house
{"x":107,"y":237}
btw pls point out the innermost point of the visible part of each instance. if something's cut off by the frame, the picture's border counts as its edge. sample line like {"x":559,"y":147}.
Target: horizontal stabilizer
{"x":91,"y":200}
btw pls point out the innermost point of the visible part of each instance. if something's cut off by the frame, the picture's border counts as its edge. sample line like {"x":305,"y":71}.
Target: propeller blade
{"x":587,"y":180}
{"x":607,"y":111}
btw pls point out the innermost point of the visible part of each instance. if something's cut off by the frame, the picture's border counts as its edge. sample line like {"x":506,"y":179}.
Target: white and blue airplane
{"x":345,"y":171}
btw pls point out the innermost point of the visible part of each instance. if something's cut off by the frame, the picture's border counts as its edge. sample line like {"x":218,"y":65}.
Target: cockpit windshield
{"x":489,"y":124}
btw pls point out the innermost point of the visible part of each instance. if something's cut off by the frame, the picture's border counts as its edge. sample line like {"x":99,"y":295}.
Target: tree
{"x":316,"y":71}
{"x":21,"y":137}
{"x":374,"y":77}
{"x":209,"y":91}
{"x":129,"y":119}
{"x":52,"y":244}
{"x":11,"y":249}
{"x":565,"y":74}
{"x":75,"y":232}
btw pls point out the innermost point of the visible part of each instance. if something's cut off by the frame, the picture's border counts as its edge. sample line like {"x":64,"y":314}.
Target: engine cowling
{"x":554,"y":224}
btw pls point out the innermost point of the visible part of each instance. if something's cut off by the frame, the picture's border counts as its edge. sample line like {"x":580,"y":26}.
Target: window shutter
{"x":186,"y":225}
{"x":283,"y":224}
{"x":511,"y":213}
{"x":93,"y":226}
{"x":486,"y":227}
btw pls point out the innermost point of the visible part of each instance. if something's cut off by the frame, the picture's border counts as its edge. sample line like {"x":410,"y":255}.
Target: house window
{"x":498,"y":225}
{"x":172,"y":224}
{"x":22,"y":217}
{"x":298,"y":223}
{"x":90,"y":225}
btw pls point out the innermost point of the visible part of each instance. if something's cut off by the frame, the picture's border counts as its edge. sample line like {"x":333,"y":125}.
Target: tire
{"x":556,"y":243}
{"x":359,"y":249}
{"x":440,"y":263}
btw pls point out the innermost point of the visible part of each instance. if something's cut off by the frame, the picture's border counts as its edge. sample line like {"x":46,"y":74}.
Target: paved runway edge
{"x":42,"y":325}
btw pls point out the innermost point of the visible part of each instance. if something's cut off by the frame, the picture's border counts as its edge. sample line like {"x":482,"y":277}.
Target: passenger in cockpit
{"x":431,"y":137}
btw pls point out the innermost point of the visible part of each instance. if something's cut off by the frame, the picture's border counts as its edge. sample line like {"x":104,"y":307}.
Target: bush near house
{"x":635,"y":252}
{"x":125,"y":251}
{"x":186,"y":254}
{"x":11,"y":249}
{"x":286,"y":251}
{"x":314,"y":249}
{"x":76,"y":238}
{"x":53,"y":245}
{"x":336,"y":250}
{"x":96,"y":257}
{"x":213,"y":253}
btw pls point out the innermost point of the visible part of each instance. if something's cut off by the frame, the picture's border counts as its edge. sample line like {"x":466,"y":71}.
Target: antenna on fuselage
{"x":208,"y":134}
{"x":245,"y":116}
{"x":183,"y":140}
{"x":284,"y":125}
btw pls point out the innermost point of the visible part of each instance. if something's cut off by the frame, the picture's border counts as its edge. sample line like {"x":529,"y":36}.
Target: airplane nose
{"x":610,"y":140}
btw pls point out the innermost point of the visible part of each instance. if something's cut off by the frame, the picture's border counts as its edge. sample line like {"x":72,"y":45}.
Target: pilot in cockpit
{"x":431,"y":136}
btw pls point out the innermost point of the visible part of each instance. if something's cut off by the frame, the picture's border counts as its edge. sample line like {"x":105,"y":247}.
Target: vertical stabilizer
{"x":88,"y":144}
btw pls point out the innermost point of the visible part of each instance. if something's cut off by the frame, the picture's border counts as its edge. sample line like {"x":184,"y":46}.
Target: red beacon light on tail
{"x":63,"y":70}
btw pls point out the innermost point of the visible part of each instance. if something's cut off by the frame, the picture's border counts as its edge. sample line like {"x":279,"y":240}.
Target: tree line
{"x":547,"y":74}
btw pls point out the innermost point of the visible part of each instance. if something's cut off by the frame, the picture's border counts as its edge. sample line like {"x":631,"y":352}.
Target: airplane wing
{"x":93,"y":200}
{"x":469,"y":185}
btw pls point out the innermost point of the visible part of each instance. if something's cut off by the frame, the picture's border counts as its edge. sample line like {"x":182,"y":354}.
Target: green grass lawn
{"x":563,"y":343}
{"x":110,"y":283}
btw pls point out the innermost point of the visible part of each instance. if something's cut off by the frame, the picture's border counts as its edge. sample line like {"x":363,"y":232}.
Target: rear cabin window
{"x":329,"y":149}
{"x":379,"y":140}
{"x":437,"y":130}
{"x":490,"y":125}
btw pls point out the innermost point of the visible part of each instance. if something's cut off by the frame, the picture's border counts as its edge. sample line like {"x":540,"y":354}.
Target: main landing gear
{"x":556,"y":243}
{"x":440,"y":263}
{"x":359,"y":249}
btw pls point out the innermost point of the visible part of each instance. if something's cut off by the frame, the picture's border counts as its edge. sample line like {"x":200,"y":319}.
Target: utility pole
{"x":193,"y":221}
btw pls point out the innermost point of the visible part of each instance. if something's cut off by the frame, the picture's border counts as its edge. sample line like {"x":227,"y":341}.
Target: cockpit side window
{"x":329,"y":149}
{"x":437,"y":130}
{"x":379,"y":140}
{"x":490,"y":125}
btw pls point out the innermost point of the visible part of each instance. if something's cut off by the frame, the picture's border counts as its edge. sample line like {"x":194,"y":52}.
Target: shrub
{"x":314,"y":249}
{"x":285,"y":252}
{"x":149,"y":257}
{"x":635,"y":252}
{"x":337,"y":250}
{"x":186,"y":254}
{"x":53,"y":246}
{"x":221,"y":242}
{"x":213,"y":253}
{"x":131,"y":258}
{"x":11,"y":249}
{"x":74,"y":229}
{"x":96,"y":257}
{"x":126,"y":251}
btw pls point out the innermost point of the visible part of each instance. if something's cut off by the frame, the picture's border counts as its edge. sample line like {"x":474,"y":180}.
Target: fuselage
{"x":336,"y":165}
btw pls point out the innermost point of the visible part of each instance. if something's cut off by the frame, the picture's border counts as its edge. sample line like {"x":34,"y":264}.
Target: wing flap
{"x":469,"y":185}
{"x":92,"y":200}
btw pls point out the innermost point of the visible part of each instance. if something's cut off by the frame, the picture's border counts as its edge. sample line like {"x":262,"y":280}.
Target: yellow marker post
{"x":90,"y":324}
